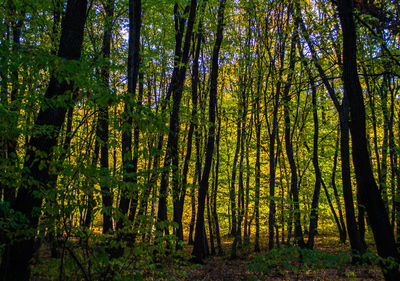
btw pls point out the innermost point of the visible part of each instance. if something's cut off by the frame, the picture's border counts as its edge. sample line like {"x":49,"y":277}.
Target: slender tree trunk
{"x":176,"y":88}
{"x":242,"y":121}
{"x":395,"y":181}
{"x":343,"y":233}
{"x":298,"y":232}
{"x":397,"y":196}
{"x":129,"y":166}
{"x":273,"y":138}
{"x":317,"y":188}
{"x":232,"y":191}
{"x":272,"y":170}
{"x":210,"y":225}
{"x":193,"y":121}
{"x":104,"y":120}
{"x":257,"y":165}
{"x":215,"y":189}
{"x":199,"y":249}
{"x":90,"y":197}
{"x":197,"y":178}
{"x":247,"y":190}
{"x":343,"y":110}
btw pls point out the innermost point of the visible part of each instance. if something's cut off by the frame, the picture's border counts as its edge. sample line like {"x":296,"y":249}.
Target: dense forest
{"x":140,"y":138}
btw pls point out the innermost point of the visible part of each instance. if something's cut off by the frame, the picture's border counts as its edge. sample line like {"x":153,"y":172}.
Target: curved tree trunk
{"x":176,"y":88}
{"x":200,"y":242}
{"x":367,"y":187}
{"x":17,"y":255}
{"x":343,"y":110}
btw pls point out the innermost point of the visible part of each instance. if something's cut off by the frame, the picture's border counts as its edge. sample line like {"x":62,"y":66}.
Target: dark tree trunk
{"x":200,"y":249}
{"x":246,"y":226}
{"x":257,"y":175}
{"x":343,"y":110}
{"x":104,"y":120}
{"x":193,"y":204}
{"x":317,"y":188}
{"x":232,"y":191}
{"x":258,"y":154}
{"x":272,"y":169}
{"x":145,"y":194}
{"x":367,"y":187}
{"x":90,"y":197}
{"x":193,"y":122}
{"x":215,"y":190}
{"x":176,"y":88}
{"x":393,"y":159}
{"x":129,"y":166}
{"x":273,"y":136}
{"x":356,"y":240}
{"x":210,"y":225}
{"x":17,"y":255}
{"x":397,"y":196}
{"x":242,"y":105}
{"x":298,"y":232}
{"x":197,"y":178}
{"x":343,"y":233}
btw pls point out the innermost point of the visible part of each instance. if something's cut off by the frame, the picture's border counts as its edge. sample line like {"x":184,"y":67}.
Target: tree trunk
{"x":104,"y":120}
{"x":367,"y":187}
{"x":215,"y":189}
{"x":199,"y":249}
{"x":193,"y":121}
{"x":317,"y":188}
{"x":257,"y":165}
{"x":298,"y":232}
{"x":210,"y":225}
{"x":17,"y":254}
{"x":232,"y":191}
{"x":129,"y":162}
{"x":242,"y":105}
{"x":343,"y":110}
{"x":336,"y":194}
{"x":176,"y":88}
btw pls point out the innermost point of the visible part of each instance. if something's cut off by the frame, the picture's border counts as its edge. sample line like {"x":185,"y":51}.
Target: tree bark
{"x":104,"y":120}
{"x":298,"y":232}
{"x":176,"y":88}
{"x":199,"y":249}
{"x":317,"y":188}
{"x":343,"y":110}
{"x":343,"y":233}
{"x":367,"y":187}
{"x":36,"y":173}
{"x":129,"y":161}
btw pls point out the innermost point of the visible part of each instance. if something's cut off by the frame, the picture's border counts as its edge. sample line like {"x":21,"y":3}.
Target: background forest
{"x":131,"y":129}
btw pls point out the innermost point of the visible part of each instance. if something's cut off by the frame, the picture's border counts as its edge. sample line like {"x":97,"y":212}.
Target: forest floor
{"x":224,"y":268}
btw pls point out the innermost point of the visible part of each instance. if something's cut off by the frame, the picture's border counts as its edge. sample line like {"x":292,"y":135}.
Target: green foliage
{"x":96,"y":257}
{"x":296,"y":259}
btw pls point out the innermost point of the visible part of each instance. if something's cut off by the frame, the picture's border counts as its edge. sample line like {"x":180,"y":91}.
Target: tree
{"x":129,"y":159}
{"x":199,"y":248}
{"x":367,"y":187}
{"x":176,"y":88}
{"x":37,"y":166}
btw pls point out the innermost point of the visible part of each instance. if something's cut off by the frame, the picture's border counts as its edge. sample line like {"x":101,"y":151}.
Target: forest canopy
{"x":139,"y":133}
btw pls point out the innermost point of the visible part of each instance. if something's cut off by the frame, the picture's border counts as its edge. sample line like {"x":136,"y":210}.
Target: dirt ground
{"x":223,"y":268}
